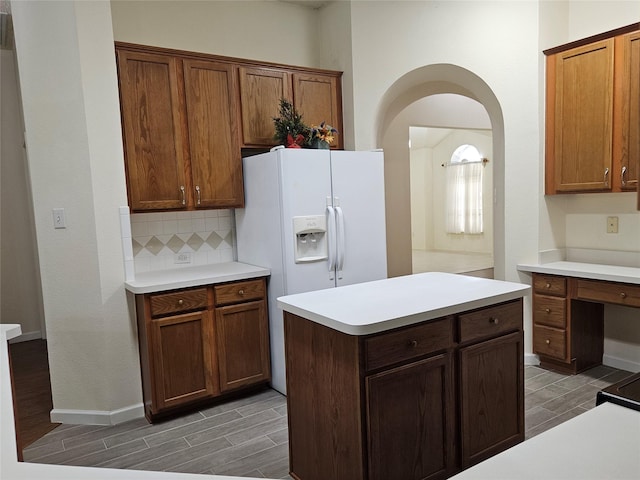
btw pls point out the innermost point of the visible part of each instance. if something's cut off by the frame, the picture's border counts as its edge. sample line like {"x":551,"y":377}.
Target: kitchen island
{"x":412,"y":377}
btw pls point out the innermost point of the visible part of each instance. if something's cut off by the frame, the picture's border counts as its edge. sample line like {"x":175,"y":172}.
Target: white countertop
{"x":162,"y":280}
{"x":603,"y":443}
{"x":11,"y":469}
{"x":612,"y":273}
{"x":381,"y":305}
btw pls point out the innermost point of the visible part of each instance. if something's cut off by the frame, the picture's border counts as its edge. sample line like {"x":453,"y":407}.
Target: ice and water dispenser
{"x":310,"y":238}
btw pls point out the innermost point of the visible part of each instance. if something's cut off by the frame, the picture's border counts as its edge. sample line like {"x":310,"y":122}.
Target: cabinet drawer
{"x":491,"y":321}
{"x":408,"y":343}
{"x":239,"y":292}
{"x":551,"y":342}
{"x":166,"y":303}
{"x":609,"y":292}
{"x":550,"y":311}
{"x":549,"y":285}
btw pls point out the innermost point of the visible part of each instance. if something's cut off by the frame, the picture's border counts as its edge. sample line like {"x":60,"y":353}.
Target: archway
{"x":419,"y":83}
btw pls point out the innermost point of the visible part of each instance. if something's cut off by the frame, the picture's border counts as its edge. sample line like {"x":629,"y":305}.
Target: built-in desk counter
{"x":568,"y":310}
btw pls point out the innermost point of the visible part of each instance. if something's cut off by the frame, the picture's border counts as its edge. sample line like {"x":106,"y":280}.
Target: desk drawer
{"x":551,"y":342}
{"x":239,"y":292}
{"x":183,"y":301}
{"x":609,"y":292}
{"x":549,"y":284}
{"x":407,"y":343}
{"x":490,"y":321}
{"x":550,"y":311}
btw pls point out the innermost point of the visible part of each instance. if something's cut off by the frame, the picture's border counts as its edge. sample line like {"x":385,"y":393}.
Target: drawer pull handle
{"x":548,"y":310}
{"x":548,"y":285}
{"x":240,"y":292}
{"x":413,"y":343}
{"x":180,"y":302}
{"x":494,"y":320}
{"x":623,"y":295}
{"x":547,"y":341}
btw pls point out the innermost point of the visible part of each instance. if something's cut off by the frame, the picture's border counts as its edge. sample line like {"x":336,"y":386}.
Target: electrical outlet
{"x":612,"y":224}
{"x":182,"y":257}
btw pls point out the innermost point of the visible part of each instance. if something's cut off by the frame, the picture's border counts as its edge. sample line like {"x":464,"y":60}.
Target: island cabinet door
{"x":491,"y":397}
{"x":410,"y":421}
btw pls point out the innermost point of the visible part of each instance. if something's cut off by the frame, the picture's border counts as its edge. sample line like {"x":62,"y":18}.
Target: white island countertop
{"x":594,"y":271}
{"x":381,"y":305}
{"x":602,"y":443}
{"x":162,"y":280}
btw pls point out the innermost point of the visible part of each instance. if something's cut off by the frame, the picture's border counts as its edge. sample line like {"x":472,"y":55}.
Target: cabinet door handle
{"x":623,"y":295}
{"x":606,"y":176}
{"x":622,"y":175}
{"x":198,"y":194}
{"x":184,"y":201}
{"x":180,"y":302}
{"x":412,"y":343}
{"x":548,"y":285}
{"x":240,"y":292}
{"x":494,"y":321}
{"x":547,"y":341}
{"x":547,"y":310}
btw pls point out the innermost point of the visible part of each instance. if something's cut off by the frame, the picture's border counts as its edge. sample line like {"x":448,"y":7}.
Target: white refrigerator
{"x":316,"y":219}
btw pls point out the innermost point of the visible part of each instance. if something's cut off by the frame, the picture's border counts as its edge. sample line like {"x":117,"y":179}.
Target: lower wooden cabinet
{"x":412,"y":405}
{"x":197,"y":346}
{"x":415,"y":403}
{"x":491,"y":397}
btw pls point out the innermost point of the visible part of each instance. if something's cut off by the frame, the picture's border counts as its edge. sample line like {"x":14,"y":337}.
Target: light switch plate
{"x":58,"y":218}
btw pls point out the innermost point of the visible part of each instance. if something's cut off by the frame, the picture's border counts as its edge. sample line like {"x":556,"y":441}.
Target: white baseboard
{"x":97,"y":417}
{"x":621,"y":363}
{"x":25,"y":337}
{"x":531,"y":359}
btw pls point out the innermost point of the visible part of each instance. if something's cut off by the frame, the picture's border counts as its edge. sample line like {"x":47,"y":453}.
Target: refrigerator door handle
{"x":341,"y":244}
{"x":331,"y":240}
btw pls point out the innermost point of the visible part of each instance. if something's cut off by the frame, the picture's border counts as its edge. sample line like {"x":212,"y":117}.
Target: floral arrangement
{"x":324,"y":132}
{"x":292,"y":132}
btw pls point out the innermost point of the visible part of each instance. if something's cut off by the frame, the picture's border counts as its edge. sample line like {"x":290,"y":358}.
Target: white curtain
{"x":464,"y":198}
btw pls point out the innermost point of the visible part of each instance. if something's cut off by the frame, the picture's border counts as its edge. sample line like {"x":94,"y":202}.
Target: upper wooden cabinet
{"x":260,"y":92}
{"x":317,"y":96}
{"x":186,"y":116}
{"x":180,"y":132}
{"x":592,"y":113}
{"x":627,"y":131}
{"x":319,"y":99}
{"x":153,"y":130}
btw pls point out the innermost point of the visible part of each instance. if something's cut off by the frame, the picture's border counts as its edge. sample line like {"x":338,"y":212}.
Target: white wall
{"x":20,"y":280}
{"x":72,"y":120}
{"x":421,"y":183}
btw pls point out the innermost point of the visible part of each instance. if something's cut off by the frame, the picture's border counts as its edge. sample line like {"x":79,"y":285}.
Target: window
{"x":464,"y":191}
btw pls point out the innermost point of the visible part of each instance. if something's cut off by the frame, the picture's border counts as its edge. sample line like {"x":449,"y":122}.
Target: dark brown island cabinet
{"x":418,"y":402}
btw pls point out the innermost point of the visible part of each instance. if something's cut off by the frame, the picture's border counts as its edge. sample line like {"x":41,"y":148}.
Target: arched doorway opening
{"x":393,"y":137}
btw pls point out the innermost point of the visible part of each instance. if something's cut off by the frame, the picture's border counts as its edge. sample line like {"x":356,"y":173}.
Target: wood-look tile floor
{"x":248,"y":437}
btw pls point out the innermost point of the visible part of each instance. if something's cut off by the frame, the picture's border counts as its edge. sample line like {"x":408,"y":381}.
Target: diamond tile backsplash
{"x":157,"y":238}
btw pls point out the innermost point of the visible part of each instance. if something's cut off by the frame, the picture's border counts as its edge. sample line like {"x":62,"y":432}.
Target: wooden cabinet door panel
{"x":583,"y":117}
{"x":216,"y":162}
{"x":410,"y":421}
{"x":242,"y":333}
{"x":260,"y":92}
{"x":491,"y":397}
{"x":182,"y":356}
{"x":153,"y":130}
{"x":316,"y":99}
{"x":629,"y":141}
